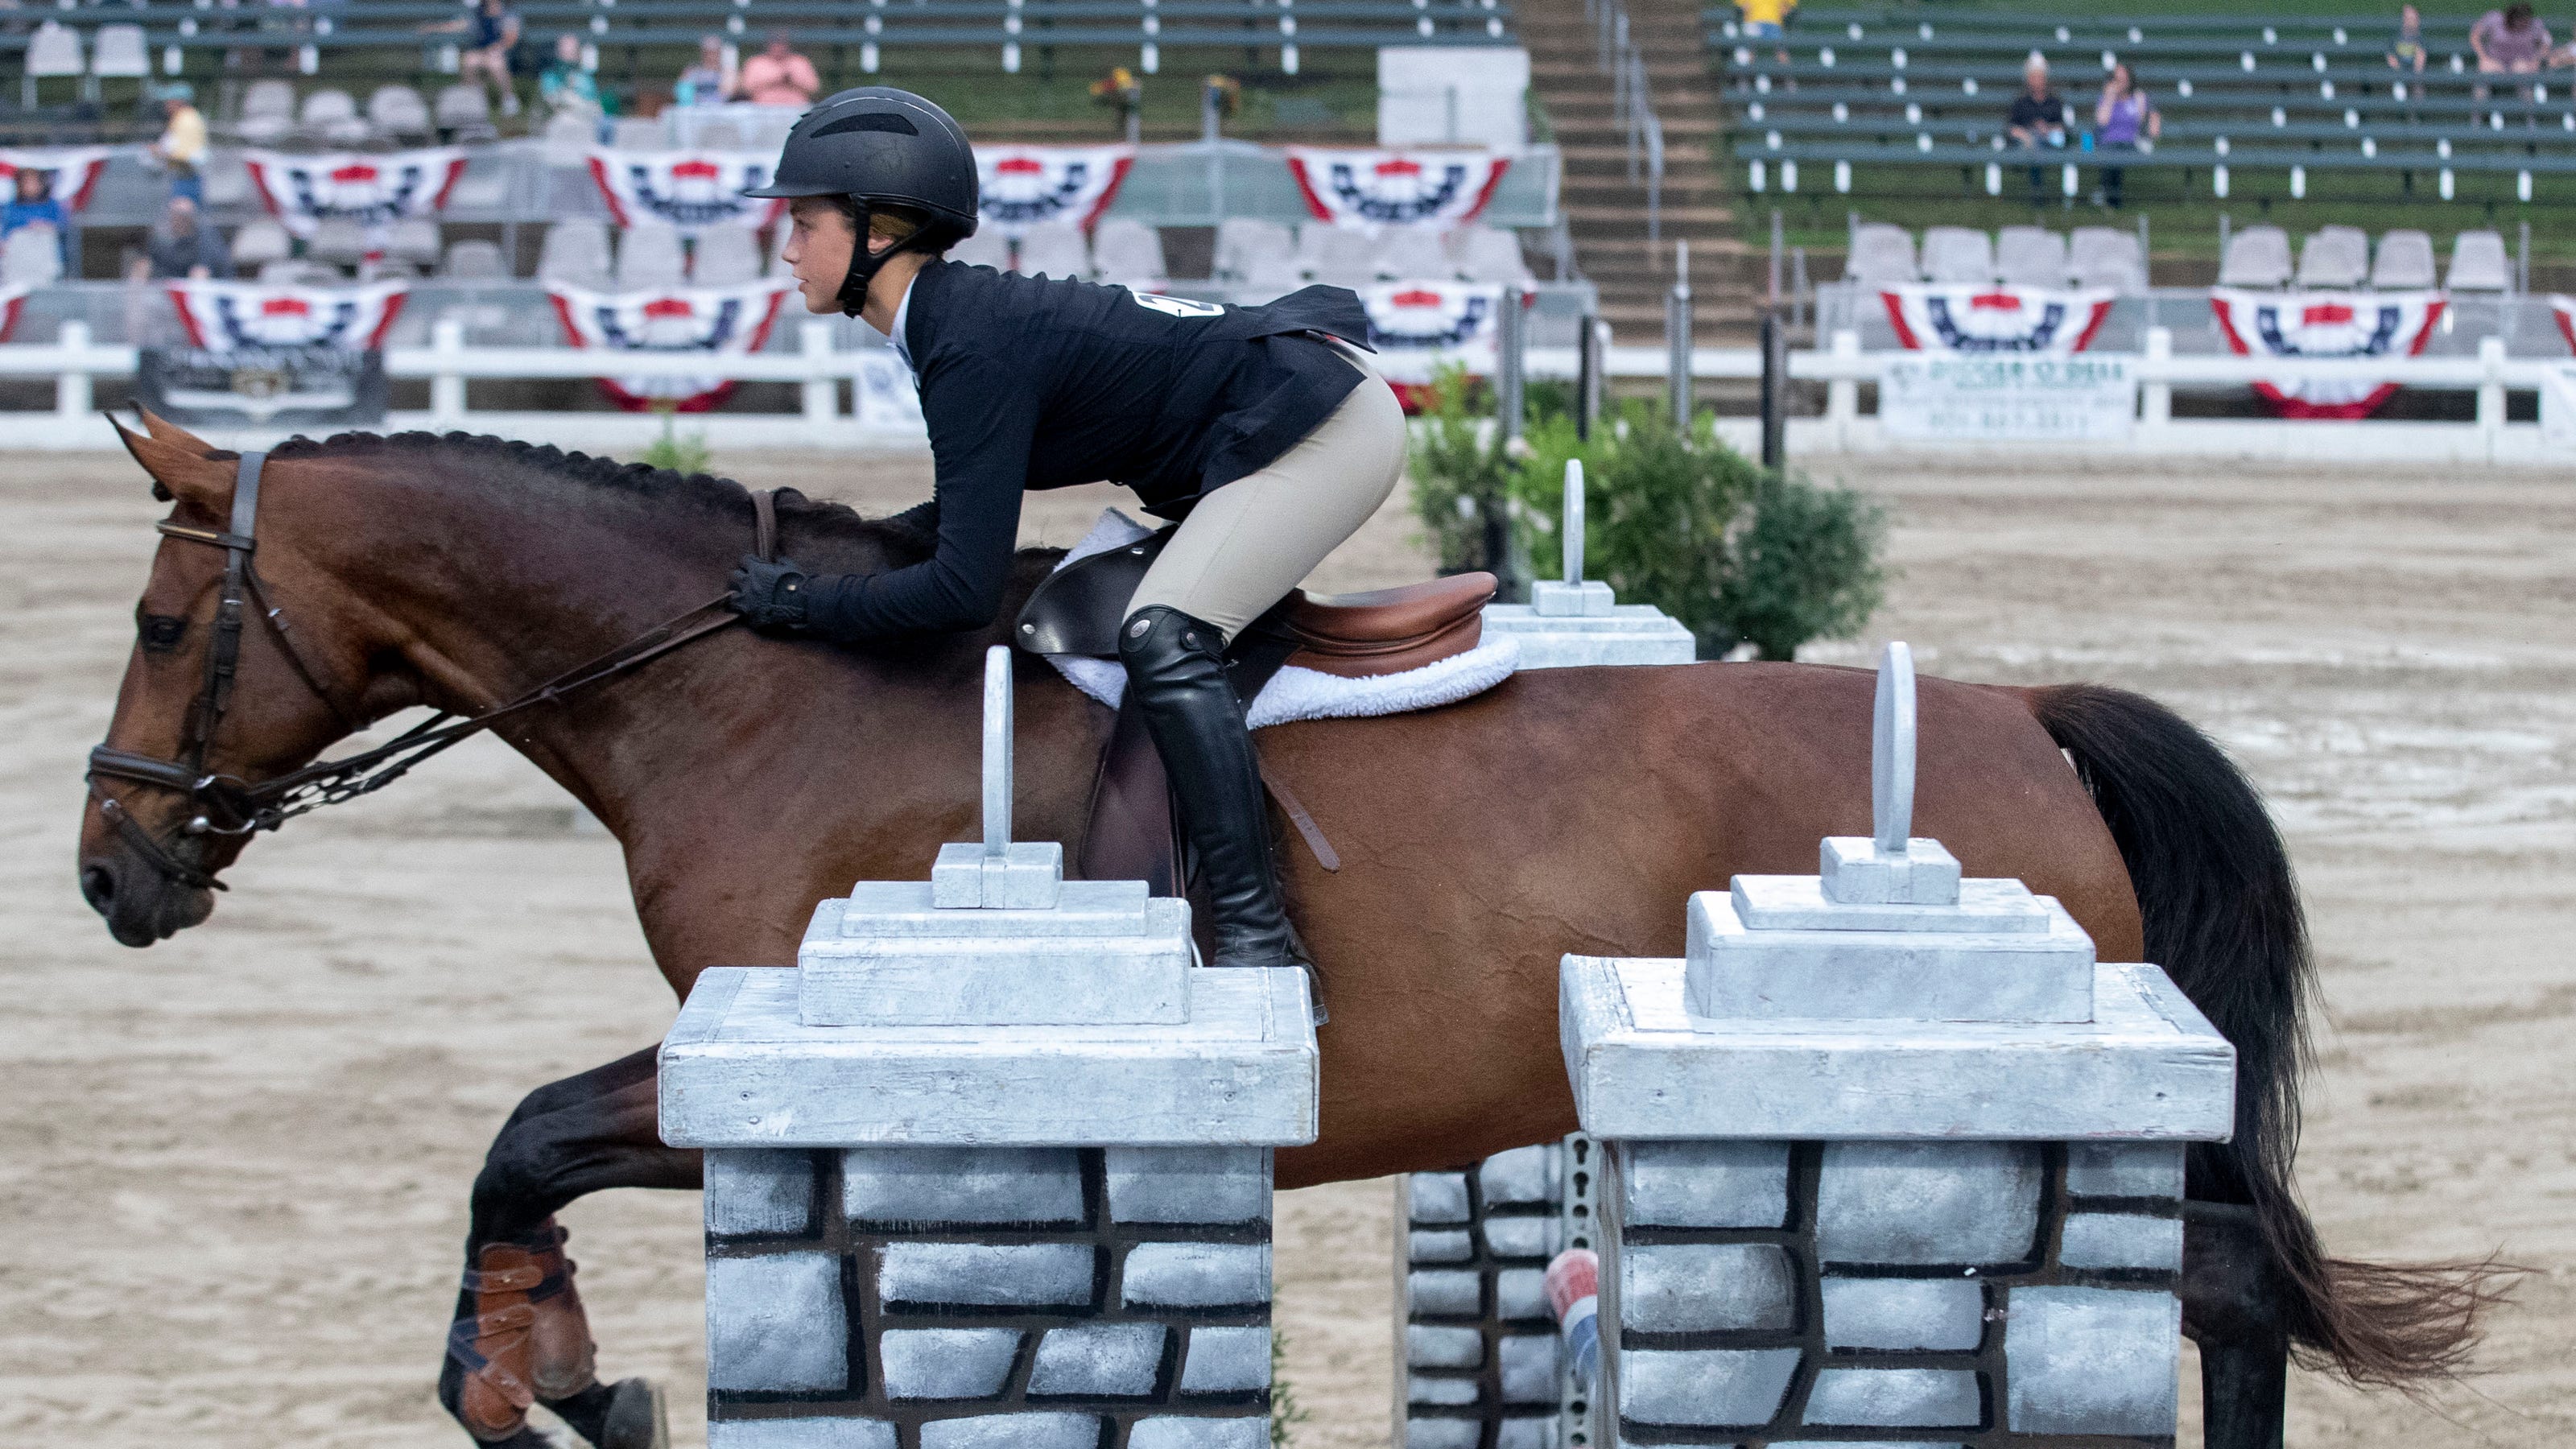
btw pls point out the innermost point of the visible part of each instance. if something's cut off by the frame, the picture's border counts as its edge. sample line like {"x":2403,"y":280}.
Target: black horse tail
{"x":2220,"y":907}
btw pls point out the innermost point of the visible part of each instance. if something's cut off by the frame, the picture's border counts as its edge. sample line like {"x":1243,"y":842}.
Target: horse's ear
{"x":169,"y":432}
{"x":177,"y":470}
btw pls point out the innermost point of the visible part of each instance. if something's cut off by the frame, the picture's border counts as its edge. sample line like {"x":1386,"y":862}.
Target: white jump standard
{"x":1580,"y":621}
{"x":992,"y":1165}
{"x":1889,"y":1151}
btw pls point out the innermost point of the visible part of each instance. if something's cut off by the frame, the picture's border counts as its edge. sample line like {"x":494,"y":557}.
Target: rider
{"x":1263,"y":430}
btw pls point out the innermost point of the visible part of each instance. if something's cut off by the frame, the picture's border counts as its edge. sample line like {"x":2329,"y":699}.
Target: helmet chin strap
{"x":865,"y":264}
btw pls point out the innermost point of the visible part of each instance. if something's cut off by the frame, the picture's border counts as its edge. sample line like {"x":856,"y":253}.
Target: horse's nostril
{"x":98,"y":887}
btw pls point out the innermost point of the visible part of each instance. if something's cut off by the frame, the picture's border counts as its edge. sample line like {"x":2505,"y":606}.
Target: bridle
{"x":227,"y":805}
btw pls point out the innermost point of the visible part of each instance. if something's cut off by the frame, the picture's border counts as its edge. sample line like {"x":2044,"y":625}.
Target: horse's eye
{"x":162,"y":632}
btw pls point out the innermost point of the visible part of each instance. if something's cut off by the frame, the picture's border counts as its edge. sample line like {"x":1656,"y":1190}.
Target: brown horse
{"x":1567,"y":810}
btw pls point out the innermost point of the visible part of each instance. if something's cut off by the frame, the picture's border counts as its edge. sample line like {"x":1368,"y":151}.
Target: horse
{"x":1568,"y":810}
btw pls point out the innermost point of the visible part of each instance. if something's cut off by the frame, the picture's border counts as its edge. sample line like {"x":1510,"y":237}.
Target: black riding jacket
{"x":1028,"y":382}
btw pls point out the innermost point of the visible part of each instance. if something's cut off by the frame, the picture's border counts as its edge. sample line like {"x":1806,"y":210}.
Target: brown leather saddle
{"x":1132,"y":834}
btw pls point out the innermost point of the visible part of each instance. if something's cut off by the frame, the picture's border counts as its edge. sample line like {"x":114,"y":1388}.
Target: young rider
{"x":1261,"y":429}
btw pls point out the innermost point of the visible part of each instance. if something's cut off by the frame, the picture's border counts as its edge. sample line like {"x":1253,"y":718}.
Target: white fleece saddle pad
{"x":1296,"y":693}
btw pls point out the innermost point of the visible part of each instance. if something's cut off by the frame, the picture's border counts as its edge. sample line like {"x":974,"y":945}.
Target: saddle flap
{"x":1077,"y":609}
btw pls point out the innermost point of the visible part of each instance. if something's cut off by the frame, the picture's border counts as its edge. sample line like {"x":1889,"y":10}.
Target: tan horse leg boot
{"x":566,"y":1359}
{"x":497,"y":1346}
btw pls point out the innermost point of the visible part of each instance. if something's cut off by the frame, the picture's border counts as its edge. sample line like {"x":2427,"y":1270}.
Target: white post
{"x":1842,"y":392}
{"x":71,"y":389}
{"x":822,"y":388}
{"x":2491,"y":388}
{"x":1573,"y":526}
{"x":447,"y":384}
{"x":2155,"y":398}
{"x":997,"y":752}
{"x":1891,"y":762}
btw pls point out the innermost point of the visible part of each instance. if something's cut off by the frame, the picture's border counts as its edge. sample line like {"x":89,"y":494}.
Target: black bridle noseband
{"x":227,"y":805}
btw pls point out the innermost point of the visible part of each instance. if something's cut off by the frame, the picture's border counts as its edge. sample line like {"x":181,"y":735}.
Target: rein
{"x":229,"y":805}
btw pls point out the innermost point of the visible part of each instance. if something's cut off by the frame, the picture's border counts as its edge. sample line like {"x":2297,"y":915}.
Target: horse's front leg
{"x":2232,"y":1308}
{"x":520,"y":1336}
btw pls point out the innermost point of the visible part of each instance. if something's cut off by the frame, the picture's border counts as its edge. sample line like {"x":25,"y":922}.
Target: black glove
{"x":772,"y":596}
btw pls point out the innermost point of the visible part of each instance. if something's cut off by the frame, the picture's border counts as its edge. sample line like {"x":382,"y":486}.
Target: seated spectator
{"x":706,"y":83}
{"x":183,"y":244}
{"x":778,"y":76}
{"x":2407,"y":52}
{"x":2120,"y":118}
{"x":486,"y":55}
{"x":2510,"y":41}
{"x":34,"y":204}
{"x":566,"y":84}
{"x":182,"y":146}
{"x":2039,"y":117}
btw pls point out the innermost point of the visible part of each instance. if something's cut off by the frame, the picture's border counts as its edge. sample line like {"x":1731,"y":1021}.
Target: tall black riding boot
{"x":1176,"y":666}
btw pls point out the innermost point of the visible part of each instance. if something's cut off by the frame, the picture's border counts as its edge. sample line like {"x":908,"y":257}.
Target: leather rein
{"x":227,"y":805}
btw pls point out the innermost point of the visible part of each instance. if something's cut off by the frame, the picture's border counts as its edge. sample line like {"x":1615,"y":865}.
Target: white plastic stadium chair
{"x":475,"y":261}
{"x":1338,"y":256}
{"x":413,"y":239}
{"x":2031,"y":256}
{"x":464,"y":112}
{"x":727,"y":256}
{"x":1413,"y":253}
{"x":636,"y":133}
{"x":52,"y":52}
{"x":1958,"y":254}
{"x":2479,"y":263}
{"x":1246,"y":246}
{"x":332,"y":114}
{"x":1882,"y":255}
{"x":1490,"y":256}
{"x":337,"y":241}
{"x":32,"y":256}
{"x":567,"y":138}
{"x":648,"y":257}
{"x":1055,"y":249}
{"x":267,"y":112}
{"x":2105,"y":256}
{"x":1129,"y":254}
{"x":986,"y":248}
{"x":575,"y":253}
{"x":117,"y":52}
{"x":2334,"y":256}
{"x":2258,"y":256}
{"x":398,"y":111}
{"x":2404,"y":263}
{"x":260,"y":242}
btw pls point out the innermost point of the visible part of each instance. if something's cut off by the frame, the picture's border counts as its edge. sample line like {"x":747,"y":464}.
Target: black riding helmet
{"x":879,"y":146}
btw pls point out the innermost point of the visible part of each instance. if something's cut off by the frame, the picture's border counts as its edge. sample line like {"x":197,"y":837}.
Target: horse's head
{"x":201,"y":718}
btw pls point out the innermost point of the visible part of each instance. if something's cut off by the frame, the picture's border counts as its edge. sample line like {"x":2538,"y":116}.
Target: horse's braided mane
{"x":702,"y":490}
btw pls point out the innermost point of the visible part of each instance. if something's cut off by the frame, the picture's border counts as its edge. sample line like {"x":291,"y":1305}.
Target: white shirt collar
{"x":903,"y":311}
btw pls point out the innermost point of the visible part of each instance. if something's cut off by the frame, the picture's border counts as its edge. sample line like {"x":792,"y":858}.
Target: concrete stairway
{"x":1605,"y":210}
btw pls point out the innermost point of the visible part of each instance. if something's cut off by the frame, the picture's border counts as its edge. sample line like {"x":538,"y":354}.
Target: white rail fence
{"x":820,"y":368}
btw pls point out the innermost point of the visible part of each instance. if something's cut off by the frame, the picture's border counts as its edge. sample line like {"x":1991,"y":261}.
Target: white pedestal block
{"x":1627,"y":634}
{"x":992,"y":1166}
{"x":1875,"y":1169}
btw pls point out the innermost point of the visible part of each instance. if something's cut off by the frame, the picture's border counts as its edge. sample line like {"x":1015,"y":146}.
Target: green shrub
{"x":681,"y":455}
{"x":1738,"y":555}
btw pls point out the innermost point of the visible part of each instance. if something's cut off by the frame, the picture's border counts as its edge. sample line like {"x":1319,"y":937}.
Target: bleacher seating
{"x":575,"y":253}
{"x":2404,"y":261}
{"x":2258,"y":256}
{"x":2332,"y":257}
{"x":649,"y":257}
{"x":1129,"y":254}
{"x":2103,"y":256}
{"x":31,"y":256}
{"x":475,"y":261}
{"x":259,"y":243}
{"x":53,"y":52}
{"x":1957,"y":254}
{"x":1878,"y":92}
{"x":1055,"y":249}
{"x":725,"y":257}
{"x":2030,"y":256}
{"x":2479,"y":264}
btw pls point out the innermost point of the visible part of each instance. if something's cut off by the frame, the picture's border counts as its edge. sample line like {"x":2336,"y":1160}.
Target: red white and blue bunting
{"x":374,"y":191}
{"x":239,"y":316}
{"x":1025,"y":185}
{"x":73,"y":170}
{"x":2326,"y":324}
{"x":1396,"y":188}
{"x":1421,"y":327}
{"x":1938,"y":317}
{"x":2564,"y":309}
{"x":715,"y":321}
{"x":690,"y":190}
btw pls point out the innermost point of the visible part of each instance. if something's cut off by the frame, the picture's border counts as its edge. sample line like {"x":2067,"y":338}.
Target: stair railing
{"x":1632,"y":105}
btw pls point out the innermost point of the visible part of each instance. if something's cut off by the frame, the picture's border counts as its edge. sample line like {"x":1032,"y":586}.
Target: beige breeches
{"x":1248,"y":543}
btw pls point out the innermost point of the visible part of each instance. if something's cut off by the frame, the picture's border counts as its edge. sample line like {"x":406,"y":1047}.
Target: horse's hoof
{"x":636,"y":1418}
